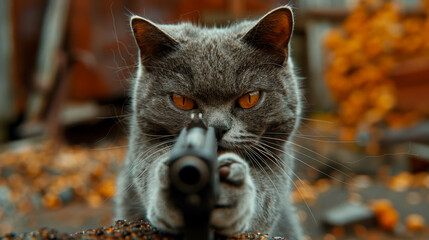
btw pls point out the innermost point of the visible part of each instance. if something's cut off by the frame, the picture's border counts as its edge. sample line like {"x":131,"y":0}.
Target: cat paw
{"x":234,"y":207}
{"x":161,"y":211}
{"x":236,"y":202}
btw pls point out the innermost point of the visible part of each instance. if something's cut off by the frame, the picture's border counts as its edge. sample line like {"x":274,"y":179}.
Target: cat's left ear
{"x":152,"y":41}
{"x":272,"y":33}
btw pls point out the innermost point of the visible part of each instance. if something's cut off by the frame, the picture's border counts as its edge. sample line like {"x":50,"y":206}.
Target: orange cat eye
{"x":183,"y":102}
{"x":249,"y":100}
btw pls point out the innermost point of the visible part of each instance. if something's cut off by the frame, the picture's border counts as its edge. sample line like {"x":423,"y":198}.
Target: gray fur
{"x":214,"y":67}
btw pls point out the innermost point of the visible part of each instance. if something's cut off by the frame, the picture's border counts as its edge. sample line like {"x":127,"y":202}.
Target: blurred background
{"x":362,"y":150}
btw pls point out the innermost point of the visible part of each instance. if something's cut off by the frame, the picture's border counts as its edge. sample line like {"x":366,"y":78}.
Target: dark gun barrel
{"x":194,"y":178}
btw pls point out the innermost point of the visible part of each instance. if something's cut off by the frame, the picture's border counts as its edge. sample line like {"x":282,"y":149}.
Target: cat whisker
{"x":108,"y":132}
{"x":311,"y":137}
{"x":141,"y":157}
{"x":156,"y":146}
{"x":276,"y":162}
{"x":123,"y":116}
{"x":156,"y":137}
{"x":325,"y":141}
{"x":128,"y":52}
{"x":115,"y":32}
{"x":134,"y":143}
{"x":129,"y":171}
{"x":144,"y":172}
{"x":126,"y":67}
{"x":314,"y":152}
{"x":303,"y":162}
{"x":262,"y":168}
{"x":251,"y":162}
{"x":109,"y":148}
{"x":300,"y":134}
{"x":312,"y":129}
{"x":316,"y":120}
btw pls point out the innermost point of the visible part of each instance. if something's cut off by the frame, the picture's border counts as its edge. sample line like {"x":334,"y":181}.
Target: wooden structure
{"x":74,"y":53}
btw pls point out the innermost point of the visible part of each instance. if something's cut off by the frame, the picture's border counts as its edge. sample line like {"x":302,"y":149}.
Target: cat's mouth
{"x":221,"y":149}
{"x":224,"y":206}
{"x":234,"y":146}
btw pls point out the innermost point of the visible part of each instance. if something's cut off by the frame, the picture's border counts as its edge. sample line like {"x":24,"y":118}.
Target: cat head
{"x":239,"y":77}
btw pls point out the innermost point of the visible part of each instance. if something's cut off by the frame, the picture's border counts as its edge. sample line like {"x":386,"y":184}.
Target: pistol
{"x":194,"y":178}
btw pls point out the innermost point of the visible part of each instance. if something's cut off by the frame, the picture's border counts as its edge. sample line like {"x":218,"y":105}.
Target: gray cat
{"x":241,"y":79}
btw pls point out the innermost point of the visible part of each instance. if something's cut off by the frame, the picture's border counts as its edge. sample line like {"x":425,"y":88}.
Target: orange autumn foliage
{"x":387,"y":216}
{"x":374,"y":38}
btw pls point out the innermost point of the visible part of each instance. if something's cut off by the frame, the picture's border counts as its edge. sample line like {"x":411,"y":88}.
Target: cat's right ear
{"x":152,"y":41}
{"x":272,"y":33}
